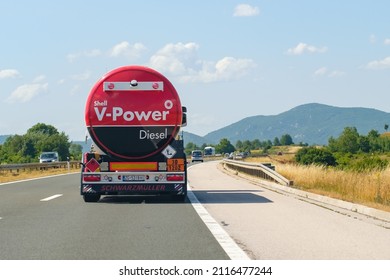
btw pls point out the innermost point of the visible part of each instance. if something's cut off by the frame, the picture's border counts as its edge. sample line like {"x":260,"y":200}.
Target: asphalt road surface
{"x":48,"y":219}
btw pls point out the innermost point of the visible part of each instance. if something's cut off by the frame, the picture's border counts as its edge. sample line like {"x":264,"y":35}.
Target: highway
{"x":65,"y":227}
{"x":48,"y":219}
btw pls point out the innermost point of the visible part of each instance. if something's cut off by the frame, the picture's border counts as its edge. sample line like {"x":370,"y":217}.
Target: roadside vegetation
{"x":352,"y":167}
{"x":26,"y":148}
{"x":39,"y":138}
{"x":371,"y":188}
{"x":11,"y":176}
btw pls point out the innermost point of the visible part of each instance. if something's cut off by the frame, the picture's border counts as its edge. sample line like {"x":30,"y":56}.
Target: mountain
{"x":310,"y":123}
{"x":3,"y":138}
{"x":193,"y":138}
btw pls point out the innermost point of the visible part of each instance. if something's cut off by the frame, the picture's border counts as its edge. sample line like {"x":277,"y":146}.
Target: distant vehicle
{"x":196,"y":156}
{"x":209,"y":151}
{"x":48,"y":157}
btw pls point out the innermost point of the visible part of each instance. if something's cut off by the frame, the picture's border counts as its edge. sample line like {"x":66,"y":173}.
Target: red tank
{"x":133,"y":112}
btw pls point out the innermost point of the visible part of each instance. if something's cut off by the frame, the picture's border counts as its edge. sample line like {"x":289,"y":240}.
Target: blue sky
{"x":227,"y":59}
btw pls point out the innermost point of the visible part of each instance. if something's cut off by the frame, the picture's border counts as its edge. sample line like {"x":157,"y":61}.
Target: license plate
{"x":175,"y":164}
{"x":133,"y":178}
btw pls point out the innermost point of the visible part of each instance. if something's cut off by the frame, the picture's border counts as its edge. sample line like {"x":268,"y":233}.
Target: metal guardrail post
{"x":38,"y":166}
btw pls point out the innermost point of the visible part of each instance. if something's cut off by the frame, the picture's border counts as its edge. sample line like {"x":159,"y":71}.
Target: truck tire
{"x":179,"y":198}
{"x":91,"y":197}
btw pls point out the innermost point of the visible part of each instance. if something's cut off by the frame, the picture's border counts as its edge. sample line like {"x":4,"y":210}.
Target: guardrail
{"x":39,"y":166}
{"x":263,"y":171}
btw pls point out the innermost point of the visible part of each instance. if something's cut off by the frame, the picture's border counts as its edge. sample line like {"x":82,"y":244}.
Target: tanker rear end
{"x":133,"y":115}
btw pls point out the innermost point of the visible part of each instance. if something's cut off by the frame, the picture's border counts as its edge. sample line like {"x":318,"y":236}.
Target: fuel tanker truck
{"x":133,"y":115}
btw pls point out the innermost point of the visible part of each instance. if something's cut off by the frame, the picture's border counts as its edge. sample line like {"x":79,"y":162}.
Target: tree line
{"x":225,"y":146}
{"x":350,"y":150}
{"x":39,"y":138}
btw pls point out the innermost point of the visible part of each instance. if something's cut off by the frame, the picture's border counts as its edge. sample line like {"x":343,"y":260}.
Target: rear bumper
{"x":134,"y":189}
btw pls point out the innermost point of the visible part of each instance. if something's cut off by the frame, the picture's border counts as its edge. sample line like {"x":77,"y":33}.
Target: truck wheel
{"x":179,"y":197}
{"x":91,"y":197}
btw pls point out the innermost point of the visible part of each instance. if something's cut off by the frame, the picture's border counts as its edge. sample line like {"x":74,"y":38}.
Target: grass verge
{"x":7,"y":176}
{"x":371,"y":189}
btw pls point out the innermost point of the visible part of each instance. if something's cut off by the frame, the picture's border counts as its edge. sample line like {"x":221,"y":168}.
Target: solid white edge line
{"x":227,"y":243}
{"x":51,"y":197}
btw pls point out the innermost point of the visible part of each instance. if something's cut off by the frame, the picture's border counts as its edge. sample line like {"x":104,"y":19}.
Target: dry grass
{"x":371,"y":188}
{"x":7,"y":176}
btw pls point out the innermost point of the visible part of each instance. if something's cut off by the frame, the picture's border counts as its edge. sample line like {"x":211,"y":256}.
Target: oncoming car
{"x":48,"y":157}
{"x":196,"y":156}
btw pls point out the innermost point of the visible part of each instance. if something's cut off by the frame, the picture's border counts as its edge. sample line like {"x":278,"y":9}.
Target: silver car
{"x":196,"y":156}
{"x":48,"y":157}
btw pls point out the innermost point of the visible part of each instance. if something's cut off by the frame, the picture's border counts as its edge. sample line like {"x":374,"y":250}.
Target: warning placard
{"x":175,"y":164}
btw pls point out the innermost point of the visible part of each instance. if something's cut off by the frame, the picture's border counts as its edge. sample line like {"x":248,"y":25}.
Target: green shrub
{"x":316,"y":156}
{"x":368,"y":163}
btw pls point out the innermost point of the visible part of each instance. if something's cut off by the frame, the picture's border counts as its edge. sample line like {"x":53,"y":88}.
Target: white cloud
{"x":72,"y":56}
{"x":245,"y":10}
{"x":123,"y":49}
{"x":181,"y":60}
{"x":227,"y":68}
{"x":372,"y":39}
{"x":27,"y":92}
{"x":127,"y":50}
{"x":82,"y":77}
{"x":39,"y":79}
{"x":302,"y":48}
{"x":91,"y":53}
{"x":75,"y":89}
{"x":321,"y":71}
{"x":387,"y":42}
{"x":336,"y":74}
{"x":8,"y":73}
{"x":175,"y":58}
{"x":379,"y":64}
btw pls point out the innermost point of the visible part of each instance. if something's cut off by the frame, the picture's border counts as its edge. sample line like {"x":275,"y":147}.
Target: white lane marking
{"x":51,"y":197}
{"x":227,"y":243}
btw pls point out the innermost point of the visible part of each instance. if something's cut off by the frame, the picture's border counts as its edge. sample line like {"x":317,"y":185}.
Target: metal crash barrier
{"x":259,"y":170}
{"x":39,"y":166}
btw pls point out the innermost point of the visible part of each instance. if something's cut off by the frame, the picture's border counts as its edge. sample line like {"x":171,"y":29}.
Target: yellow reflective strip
{"x":132,"y":166}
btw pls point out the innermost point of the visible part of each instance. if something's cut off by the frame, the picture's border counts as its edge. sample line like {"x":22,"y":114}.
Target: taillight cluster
{"x":175,"y":177}
{"x":91,"y":178}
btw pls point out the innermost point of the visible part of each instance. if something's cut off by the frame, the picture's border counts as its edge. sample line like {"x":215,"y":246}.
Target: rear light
{"x":91,"y":178}
{"x":175,"y":177}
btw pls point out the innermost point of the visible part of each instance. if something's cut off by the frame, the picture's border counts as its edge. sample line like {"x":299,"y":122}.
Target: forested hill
{"x":3,"y":138}
{"x":310,"y":123}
